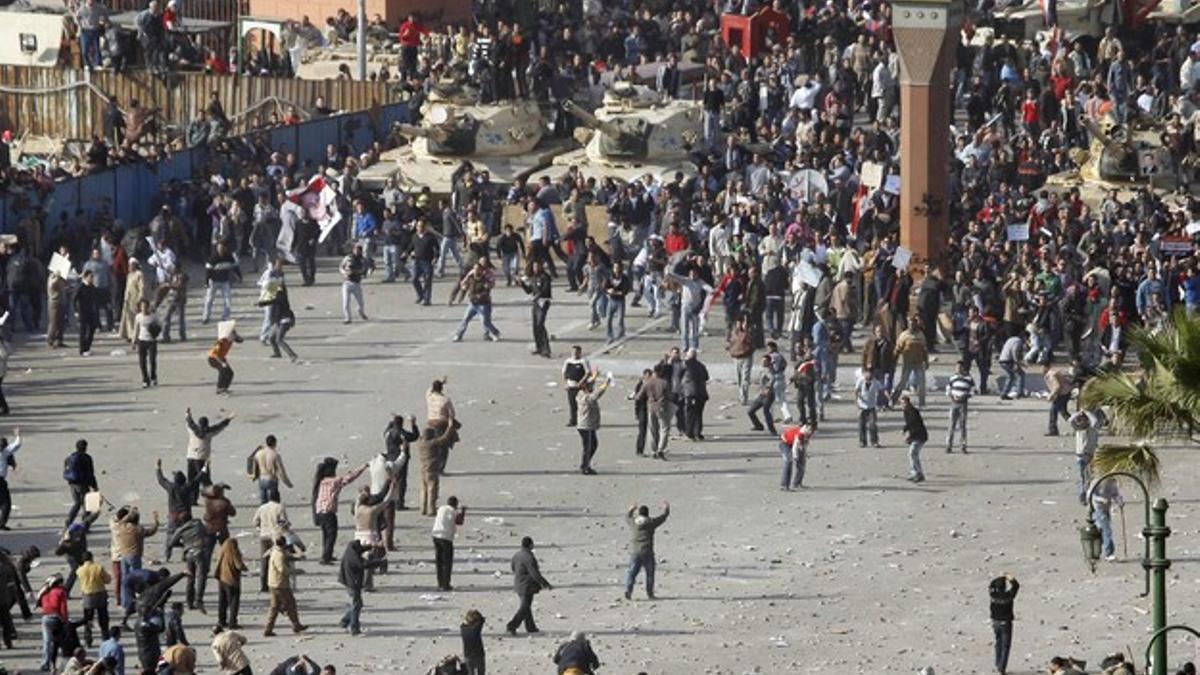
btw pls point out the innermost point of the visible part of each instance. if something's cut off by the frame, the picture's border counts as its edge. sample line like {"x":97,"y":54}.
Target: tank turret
{"x":506,"y":139}
{"x":619,"y":137}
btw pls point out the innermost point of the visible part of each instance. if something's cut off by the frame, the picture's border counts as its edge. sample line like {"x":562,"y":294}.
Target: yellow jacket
{"x":93,"y":578}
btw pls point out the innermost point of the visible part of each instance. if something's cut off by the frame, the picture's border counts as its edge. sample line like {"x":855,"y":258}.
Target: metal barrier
{"x":128,"y":192}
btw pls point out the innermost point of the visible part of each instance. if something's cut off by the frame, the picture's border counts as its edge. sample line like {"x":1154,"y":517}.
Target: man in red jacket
{"x":410,"y":39}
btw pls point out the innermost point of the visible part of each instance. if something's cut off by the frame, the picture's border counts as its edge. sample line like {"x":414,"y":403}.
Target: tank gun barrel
{"x":590,"y":121}
{"x":438,"y":134}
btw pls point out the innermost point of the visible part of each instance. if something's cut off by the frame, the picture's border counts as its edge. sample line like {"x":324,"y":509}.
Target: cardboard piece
{"x":92,"y":501}
{"x":226,"y":328}
{"x":1018,"y":232}
{"x":60,"y":264}
{"x":901,"y":258}
{"x":872,"y":175}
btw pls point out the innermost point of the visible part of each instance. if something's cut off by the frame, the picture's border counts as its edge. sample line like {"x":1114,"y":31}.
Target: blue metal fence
{"x":130,"y":192}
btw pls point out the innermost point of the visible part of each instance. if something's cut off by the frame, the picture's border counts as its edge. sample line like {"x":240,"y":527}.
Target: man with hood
{"x":642,"y":555}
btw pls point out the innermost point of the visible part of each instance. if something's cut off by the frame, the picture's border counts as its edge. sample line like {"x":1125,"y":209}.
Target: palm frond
{"x":1177,"y":347}
{"x":1138,"y":459}
{"x":1148,"y":408}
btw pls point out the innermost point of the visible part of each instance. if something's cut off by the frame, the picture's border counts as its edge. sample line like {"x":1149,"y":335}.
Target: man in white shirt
{"x":445,"y":524}
{"x":8,"y":449}
{"x":272,"y":522}
{"x":381,"y":472}
{"x":164,"y":261}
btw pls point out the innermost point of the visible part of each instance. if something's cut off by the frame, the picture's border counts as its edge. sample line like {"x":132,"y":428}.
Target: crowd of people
{"x":1036,"y":278}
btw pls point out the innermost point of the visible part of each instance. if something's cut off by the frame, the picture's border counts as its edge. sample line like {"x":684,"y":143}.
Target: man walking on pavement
{"x":1105,"y":495}
{"x":199,"y":449}
{"x":538,"y":286}
{"x":916,"y":435}
{"x":353,"y":269}
{"x":959,"y":389}
{"x":352,"y":575}
{"x":445,"y":526}
{"x":527,"y":582}
{"x":656,"y":392}
{"x":8,"y":450}
{"x":574,"y":370}
{"x":1012,"y":355}
{"x":1087,"y":438}
{"x":424,"y":253}
{"x":913,"y":353}
{"x":642,"y":555}
{"x":1003,"y":591}
{"x":867,"y":390}
{"x":220,"y":269}
{"x":695,"y":395}
{"x":478,"y":284}
{"x":1058,"y":386}
{"x":280,"y":568}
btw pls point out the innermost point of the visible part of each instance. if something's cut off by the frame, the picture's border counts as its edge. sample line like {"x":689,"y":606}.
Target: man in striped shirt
{"x":959,"y":389}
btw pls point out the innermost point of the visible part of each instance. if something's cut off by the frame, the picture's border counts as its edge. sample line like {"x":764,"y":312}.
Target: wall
{"x":392,"y":11}
{"x":48,"y":29}
{"x":79,"y":112}
{"x":129,"y":192}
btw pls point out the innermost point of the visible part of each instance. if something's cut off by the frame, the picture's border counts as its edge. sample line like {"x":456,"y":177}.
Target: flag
{"x":290,"y":214}
{"x":859,"y":206}
{"x":319,"y":199}
{"x":1049,"y":12}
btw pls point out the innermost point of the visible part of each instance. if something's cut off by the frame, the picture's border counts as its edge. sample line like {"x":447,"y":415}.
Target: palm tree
{"x":1160,"y":403}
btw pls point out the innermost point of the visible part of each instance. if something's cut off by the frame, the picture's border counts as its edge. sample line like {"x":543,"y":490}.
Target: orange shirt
{"x":221,"y":349}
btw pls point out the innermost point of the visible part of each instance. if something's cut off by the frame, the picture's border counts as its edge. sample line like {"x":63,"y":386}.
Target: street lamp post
{"x":1154,"y":561}
{"x":1160,"y":636}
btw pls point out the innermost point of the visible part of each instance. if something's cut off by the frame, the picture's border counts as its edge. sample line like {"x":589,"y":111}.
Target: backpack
{"x":252,"y":464}
{"x":71,"y":468}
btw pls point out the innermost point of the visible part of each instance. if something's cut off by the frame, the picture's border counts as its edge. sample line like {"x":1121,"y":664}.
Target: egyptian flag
{"x":1049,"y":12}
{"x":859,"y":206}
{"x":319,"y":199}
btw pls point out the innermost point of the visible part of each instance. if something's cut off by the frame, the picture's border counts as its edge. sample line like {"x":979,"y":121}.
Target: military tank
{"x":506,"y":139}
{"x":636,"y":131}
{"x":1118,"y":157}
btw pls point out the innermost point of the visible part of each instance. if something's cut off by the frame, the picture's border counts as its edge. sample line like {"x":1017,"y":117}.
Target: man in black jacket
{"x":424,"y":253}
{"x":397,"y":442}
{"x":537,"y":285}
{"x":577,"y":654}
{"x":80,"y":475}
{"x":87,"y":309}
{"x":1003,"y":590}
{"x":307,"y":235}
{"x":695,"y":394}
{"x":221,"y":268}
{"x":916,"y":435}
{"x":353,"y":576}
{"x":527,"y":581}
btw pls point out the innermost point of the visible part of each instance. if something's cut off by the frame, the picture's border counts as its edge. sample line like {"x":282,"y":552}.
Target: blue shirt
{"x":364,"y":225}
{"x":110,"y":648}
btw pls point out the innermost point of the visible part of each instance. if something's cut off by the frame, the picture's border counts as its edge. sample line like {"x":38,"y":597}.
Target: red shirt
{"x":54,"y":602}
{"x":1061,"y":84}
{"x":676,"y":243}
{"x":217,"y":65}
{"x":410,"y":34}
{"x":790,"y":434}
{"x":1029,"y":111}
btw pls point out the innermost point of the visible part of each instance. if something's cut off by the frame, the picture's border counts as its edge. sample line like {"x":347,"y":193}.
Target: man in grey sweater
{"x":642,"y":555}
